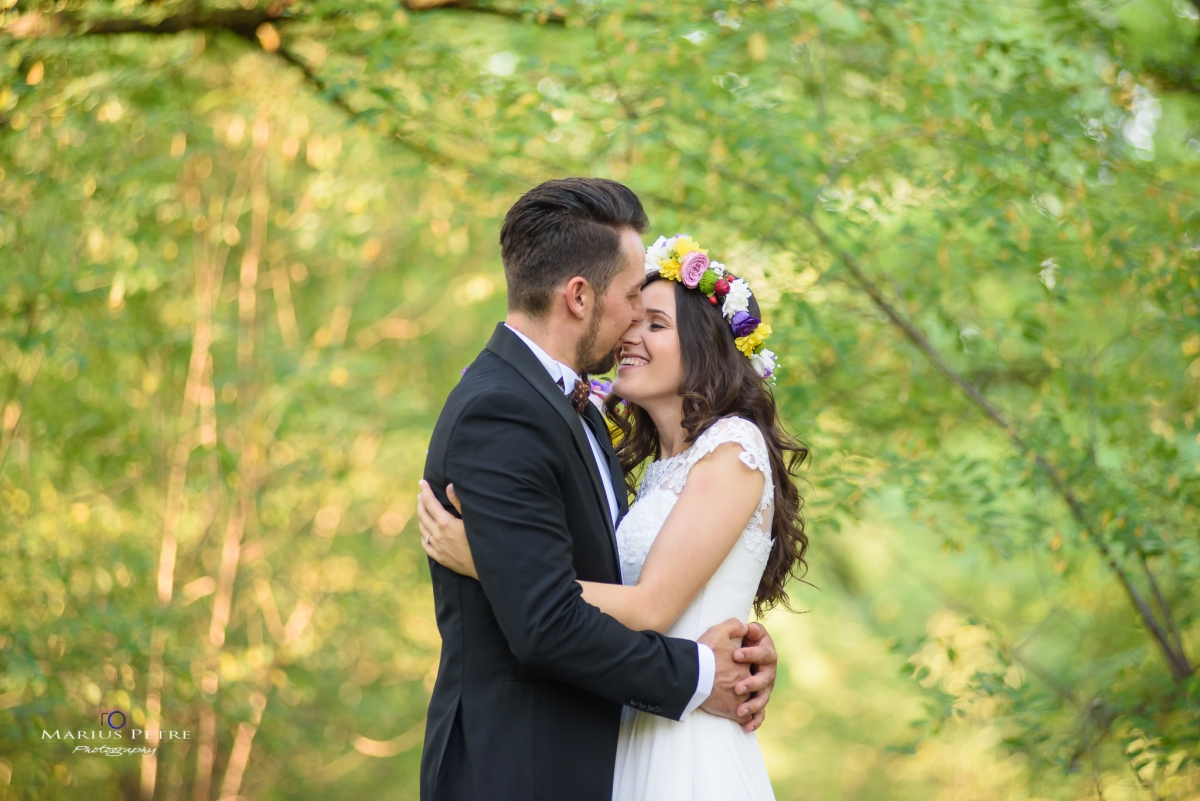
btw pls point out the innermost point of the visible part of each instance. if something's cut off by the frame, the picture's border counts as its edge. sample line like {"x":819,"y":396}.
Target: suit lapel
{"x":509,"y":347}
{"x":600,"y":429}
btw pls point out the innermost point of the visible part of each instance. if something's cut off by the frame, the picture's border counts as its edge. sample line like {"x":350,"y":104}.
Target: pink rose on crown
{"x":692,"y":268}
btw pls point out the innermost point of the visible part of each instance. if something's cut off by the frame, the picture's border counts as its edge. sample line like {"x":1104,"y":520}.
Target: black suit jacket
{"x":528,"y":697}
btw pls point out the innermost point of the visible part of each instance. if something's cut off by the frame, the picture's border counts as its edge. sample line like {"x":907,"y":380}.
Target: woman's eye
{"x":656,"y":326}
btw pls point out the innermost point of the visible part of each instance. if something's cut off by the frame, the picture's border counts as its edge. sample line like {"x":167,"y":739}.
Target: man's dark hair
{"x":561,"y":229}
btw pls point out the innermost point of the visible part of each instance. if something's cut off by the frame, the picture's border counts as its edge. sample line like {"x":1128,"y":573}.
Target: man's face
{"x":617,"y":309}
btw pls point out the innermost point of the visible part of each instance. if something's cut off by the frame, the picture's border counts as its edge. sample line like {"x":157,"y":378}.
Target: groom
{"x":527,"y":703}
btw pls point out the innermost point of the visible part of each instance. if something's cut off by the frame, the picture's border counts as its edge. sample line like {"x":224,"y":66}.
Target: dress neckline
{"x":664,"y":464}
{"x":676,"y":456}
{"x":699,"y":436}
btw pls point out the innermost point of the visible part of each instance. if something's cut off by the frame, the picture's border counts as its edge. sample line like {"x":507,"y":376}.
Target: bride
{"x":713,"y":532}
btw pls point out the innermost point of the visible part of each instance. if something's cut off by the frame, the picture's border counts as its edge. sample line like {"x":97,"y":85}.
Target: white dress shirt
{"x":567,"y":375}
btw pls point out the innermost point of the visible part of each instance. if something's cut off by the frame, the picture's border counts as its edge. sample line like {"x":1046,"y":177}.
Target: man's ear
{"x":579,"y":295}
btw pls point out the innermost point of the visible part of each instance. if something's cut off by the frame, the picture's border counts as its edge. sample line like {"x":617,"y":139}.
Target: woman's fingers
{"x":423,"y":524}
{"x":755,"y":722}
{"x":755,"y":705}
{"x":428,"y":526}
{"x":427,"y":543}
{"x":430,"y":546}
{"x":423,"y":517}
{"x":757,"y":682}
{"x":428,"y":500}
{"x":430,"y":552}
{"x":453,"y":496}
{"x":759,"y":655}
{"x":433,"y":507}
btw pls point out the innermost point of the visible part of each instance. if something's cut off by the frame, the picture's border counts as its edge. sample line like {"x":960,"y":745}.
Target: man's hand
{"x":724,"y":639}
{"x":758,"y":650}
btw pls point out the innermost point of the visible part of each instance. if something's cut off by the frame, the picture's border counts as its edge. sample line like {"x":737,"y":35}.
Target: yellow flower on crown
{"x":669,"y":269}
{"x":748,"y":343}
{"x":685,"y":245}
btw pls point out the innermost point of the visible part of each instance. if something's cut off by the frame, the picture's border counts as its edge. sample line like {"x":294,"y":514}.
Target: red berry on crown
{"x":721,"y":287}
{"x":712,"y":299}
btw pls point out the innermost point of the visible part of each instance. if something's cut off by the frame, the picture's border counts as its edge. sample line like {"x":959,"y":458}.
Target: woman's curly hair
{"x":718,"y":381}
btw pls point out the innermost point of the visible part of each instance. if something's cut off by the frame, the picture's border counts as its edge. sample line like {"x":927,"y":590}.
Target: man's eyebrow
{"x":658,"y":311}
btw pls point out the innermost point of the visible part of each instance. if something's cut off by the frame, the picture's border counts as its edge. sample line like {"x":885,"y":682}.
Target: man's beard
{"x":587,"y":344}
{"x":606,"y":362}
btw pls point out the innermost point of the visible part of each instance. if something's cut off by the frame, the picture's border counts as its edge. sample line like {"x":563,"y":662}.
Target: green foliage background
{"x":245,"y":251}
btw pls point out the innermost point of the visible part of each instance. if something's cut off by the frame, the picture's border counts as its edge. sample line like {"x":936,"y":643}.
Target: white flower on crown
{"x":717,"y":268}
{"x":738,"y":298}
{"x":659,"y":252}
{"x":763,"y":363}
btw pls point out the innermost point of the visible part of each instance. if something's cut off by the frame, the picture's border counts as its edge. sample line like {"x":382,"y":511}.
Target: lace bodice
{"x":731,"y":590}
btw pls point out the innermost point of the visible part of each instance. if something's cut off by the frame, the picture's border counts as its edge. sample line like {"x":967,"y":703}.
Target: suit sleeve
{"x":502,"y":463}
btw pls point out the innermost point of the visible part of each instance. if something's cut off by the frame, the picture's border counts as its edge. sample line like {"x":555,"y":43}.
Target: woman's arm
{"x":694,"y":541}
{"x":717,"y":501}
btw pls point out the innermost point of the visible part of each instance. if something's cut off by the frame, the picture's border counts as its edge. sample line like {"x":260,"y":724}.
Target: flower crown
{"x":681,"y":259}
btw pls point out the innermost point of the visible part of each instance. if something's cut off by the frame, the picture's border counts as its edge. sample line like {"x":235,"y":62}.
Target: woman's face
{"x":651,"y":364}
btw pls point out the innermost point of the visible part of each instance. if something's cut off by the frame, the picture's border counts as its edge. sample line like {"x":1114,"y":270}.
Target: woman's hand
{"x":759,"y":650}
{"x":443,"y":536}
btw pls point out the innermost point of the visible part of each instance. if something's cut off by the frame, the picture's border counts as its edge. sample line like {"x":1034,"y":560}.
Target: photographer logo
{"x":113,"y":727}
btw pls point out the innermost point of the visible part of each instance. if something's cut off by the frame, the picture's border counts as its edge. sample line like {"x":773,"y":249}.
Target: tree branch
{"x":334,"y":96}
{"x":555,"y":16}
{"x":1177,"y":661}
{"x":1174,"y":76}
{"x":65,"y":23}
{"x":244,"y":23}
{"x":1163,"y":606}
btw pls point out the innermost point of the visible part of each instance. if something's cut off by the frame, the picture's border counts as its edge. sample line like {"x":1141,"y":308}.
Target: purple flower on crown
{"x":601,"y":388}
{"x":743,"y":324}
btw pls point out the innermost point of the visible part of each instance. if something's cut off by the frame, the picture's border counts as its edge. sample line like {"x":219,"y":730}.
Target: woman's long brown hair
{"x":718,"y":381}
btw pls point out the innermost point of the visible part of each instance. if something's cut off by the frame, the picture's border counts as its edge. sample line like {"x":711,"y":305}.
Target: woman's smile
{"x":632,"y":360}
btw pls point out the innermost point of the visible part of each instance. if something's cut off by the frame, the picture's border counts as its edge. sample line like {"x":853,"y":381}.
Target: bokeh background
{"x":246,"y":250}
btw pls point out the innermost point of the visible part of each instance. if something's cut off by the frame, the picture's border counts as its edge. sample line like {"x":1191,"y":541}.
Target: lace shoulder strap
{"x":728,"y":429}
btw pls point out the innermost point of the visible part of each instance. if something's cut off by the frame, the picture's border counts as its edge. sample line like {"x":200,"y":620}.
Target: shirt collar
{"x":557,"y":370}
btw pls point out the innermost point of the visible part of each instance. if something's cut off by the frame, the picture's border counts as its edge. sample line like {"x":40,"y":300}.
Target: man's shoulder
{"x":490,"y":388}
{"x":490,"y":376}
{"x":494,"y":407}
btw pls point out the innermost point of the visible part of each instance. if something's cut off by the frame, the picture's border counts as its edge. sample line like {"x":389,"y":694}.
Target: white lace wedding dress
{"x":704,"y":757}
